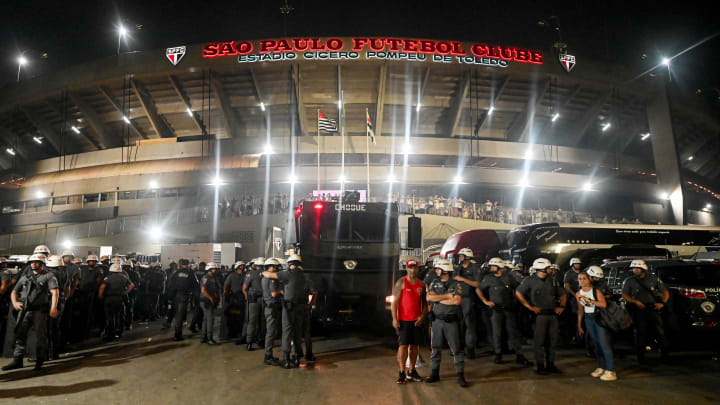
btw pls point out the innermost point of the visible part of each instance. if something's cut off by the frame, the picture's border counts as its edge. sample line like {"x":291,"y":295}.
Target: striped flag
{"x":370,"y":127}
{"x":326,"y":124}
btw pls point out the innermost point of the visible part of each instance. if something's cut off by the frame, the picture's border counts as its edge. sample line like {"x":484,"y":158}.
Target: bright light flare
{"x":417,"y":108}
{"x":645,"y":136}
{"x":126,"y":119}
{"x":708,"y":206}
{"x":22,"y":61}
{"x":122,"y":31}
{"x":10,"y":151}
{"x":665,"y":61}
{"x":262,"y":106}
{"x":664,"y":196}
{"x":268,"y":150}
{"x":153,"y":184}
{"x":75,"y":129}
{"x":156,"y":232}
{"x":37,"y":140}
{"x":606,"y":126}
{"x":67,"y":244}
{"x":189,"y":111}
{"x":217,"y":181}
{"x":342,"y":179}
{"x":39,"y":194}
{"x":490,"y":110}
{"x":407,"y":148}
{"x":391,"y":179}
{"x":587,"y":186}
{"x":691,"y":158}
{"x":555,"y":117}
{"x":524,"y":183}
{"x":458,"y":180}
{"x":292,"y":179}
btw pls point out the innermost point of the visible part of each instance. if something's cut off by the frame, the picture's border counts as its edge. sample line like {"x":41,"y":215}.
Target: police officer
{"x":311,"y":292}
{"x":443,"y":294}
{"x":272,"y":297}
{"x":55,"y":266}
{"x":197,"y":313}
{"x":234,"y":301}
{"x":131,"y":297}
{"x":571,"y":286}
{"x":170,"y":313}
{"x":8,"y":278}
{"x":90,"y":278}
{"x":647,"y":296}
{"x":39,"y":296}
{"x":209,"y":300}
{"x":252,"y":288}
{"x":514,"y":272}
{"x":542,"y":295}
{"x":180,"y":287}
{"x":497,"y":291}
{"x":467,"y":279}
{"x":164,"y":310}
{"x":295,"y":299}
{"x":114,"y":287}
{"x":154,"y":287}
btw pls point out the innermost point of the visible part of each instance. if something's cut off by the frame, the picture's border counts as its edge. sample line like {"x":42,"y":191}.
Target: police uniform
{"x":131,"y":297}
{"x":35,"y":294}
{"x":469,"y":314}
{"x":8,"y":277}
{"x":307,"y":319}
{"x":155,"y":287}
{"x":544,"y":294}
{"x":85,"y":300}
{"x":647,"y":290}
{"x":272,"y":313}
{"x":517,"y":275}
{"x":501,"y":291}
{"x":571,"y":277}
{"x":116,"y":283}
{"x":212,"y":287}
{"x":234,"y":303}
{"x":255,"y":313}
{"x":55,"y":336}
{"x":295,"y":297}
{"x":445,"y":325}
{"x":181,"y":287}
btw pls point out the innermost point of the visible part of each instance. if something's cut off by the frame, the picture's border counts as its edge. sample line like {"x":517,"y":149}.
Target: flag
{"x":325,"y":124}
{"x":370,"y":127}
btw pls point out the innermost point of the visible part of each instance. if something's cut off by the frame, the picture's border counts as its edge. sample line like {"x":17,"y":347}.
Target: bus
{"x":351,"y":254}
{"x":527,"y":242}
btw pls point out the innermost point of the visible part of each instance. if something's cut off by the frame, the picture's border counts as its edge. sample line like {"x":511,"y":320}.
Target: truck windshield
{"x":356,"y":226}
{"x":700,"y":275}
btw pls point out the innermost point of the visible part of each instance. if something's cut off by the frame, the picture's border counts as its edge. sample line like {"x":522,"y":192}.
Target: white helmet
{"x":467,"y":252}
{"x":91,"y":258}
{"x":128,"y":263}
{"x":54,"y":261}
{"x":541,"y":264}
{"x":496,"y":261}
{"x":508,"y":265}
{"x":239,"y":263}
{"x":444,"y":265}
{"x":294,"y":258}
{"x":36,"y":258}
{"x":260,"y":261}
{"x":272,"y":262}
{"x":639,"y":263}
{"x":211,"y":266}
{"x":77,"y":260}
{"x":595,"y":271}
{"x":116,"y":268}
{"x":41,"y":249}
{"x":103,"y":258}
{"x":575,"y":260}
{"x":68,"y":253}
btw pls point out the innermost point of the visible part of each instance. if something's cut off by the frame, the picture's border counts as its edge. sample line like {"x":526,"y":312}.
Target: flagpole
{"x":318,"y":153}
{"x":367,"y":154}
{"x":342,"y":135}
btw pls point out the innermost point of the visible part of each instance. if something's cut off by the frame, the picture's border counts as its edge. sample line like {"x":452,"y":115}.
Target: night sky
{"x":73,"y":32}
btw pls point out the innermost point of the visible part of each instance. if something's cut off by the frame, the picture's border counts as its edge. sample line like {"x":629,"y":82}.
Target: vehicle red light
{"x":693,"y":293}
{"x":298,"y":211}
{"x":319,"y":206}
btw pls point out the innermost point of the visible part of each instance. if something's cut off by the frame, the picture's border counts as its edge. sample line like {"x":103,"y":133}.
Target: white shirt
{"x":589,"y":308}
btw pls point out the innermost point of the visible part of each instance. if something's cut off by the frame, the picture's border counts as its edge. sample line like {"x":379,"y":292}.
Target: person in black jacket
{"x":181,"y":287}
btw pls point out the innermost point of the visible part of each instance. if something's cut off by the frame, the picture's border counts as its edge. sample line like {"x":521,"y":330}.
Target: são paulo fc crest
{"x":567,"y":62}
{"x":175,"y":54}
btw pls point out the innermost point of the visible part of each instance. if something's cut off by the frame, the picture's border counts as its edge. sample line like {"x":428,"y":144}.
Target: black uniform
{"x":116,"y":283}
{"x":544,"y":294}
{"x":154,"y":287}
{"x":272,"y":312}
{"x":35,"y":294}
{"x":501,"y":291}
{"x":445,"y":325}
{"x":234,"y":304}
{"x":307,"y":318}
{"x":90,"y":278}
{"x":571,"y":277}
{"x":131,"y":297}
{"x":649,"y":291}
{"x":72,"y":271}
{"x":295,"y":297}
{"x":181,"y":287}
{"x":7,"y":323}
{"x":469,"y":314}
{"x":255,"y":314}
{"x":56,"y":339}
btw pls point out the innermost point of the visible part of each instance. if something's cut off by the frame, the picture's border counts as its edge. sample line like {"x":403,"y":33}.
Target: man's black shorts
{"x":409,"y":334}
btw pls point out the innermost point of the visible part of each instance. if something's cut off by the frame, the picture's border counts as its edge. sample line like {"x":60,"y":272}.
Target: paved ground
{"x":149,"y":368}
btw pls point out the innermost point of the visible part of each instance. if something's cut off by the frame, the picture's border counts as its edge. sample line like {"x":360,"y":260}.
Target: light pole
{"x":121,"y":33}
{"x":21,"y":61}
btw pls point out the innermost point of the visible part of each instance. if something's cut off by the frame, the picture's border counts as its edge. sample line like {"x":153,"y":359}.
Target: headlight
{"x":350,"y":264}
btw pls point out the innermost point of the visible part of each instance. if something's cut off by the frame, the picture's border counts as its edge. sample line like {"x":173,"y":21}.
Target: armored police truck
{"x":350,"y":252}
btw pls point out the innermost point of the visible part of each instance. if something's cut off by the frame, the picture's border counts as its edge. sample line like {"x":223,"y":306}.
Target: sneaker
{"x":414,"y":375}
{"x":608,"y":376}
{"x":598,"y":372}
{"x":402,"y":379}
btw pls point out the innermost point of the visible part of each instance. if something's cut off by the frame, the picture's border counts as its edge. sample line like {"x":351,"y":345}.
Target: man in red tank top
{"x":408,"y":312}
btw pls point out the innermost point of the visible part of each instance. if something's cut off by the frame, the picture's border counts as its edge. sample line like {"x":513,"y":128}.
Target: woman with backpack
{"x":590,"y":300}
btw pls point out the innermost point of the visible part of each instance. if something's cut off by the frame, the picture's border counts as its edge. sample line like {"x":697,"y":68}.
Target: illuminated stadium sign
{"x":368,"y":49}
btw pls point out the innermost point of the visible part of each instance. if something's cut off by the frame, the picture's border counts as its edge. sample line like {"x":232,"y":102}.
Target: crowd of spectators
{"x":249,"y":204}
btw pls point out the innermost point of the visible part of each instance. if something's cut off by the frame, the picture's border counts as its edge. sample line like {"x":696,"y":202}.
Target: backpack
{"x":613,"y":316}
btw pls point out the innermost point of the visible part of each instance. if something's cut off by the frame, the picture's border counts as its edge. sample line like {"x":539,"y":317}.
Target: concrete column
{"x":665,"y":153}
